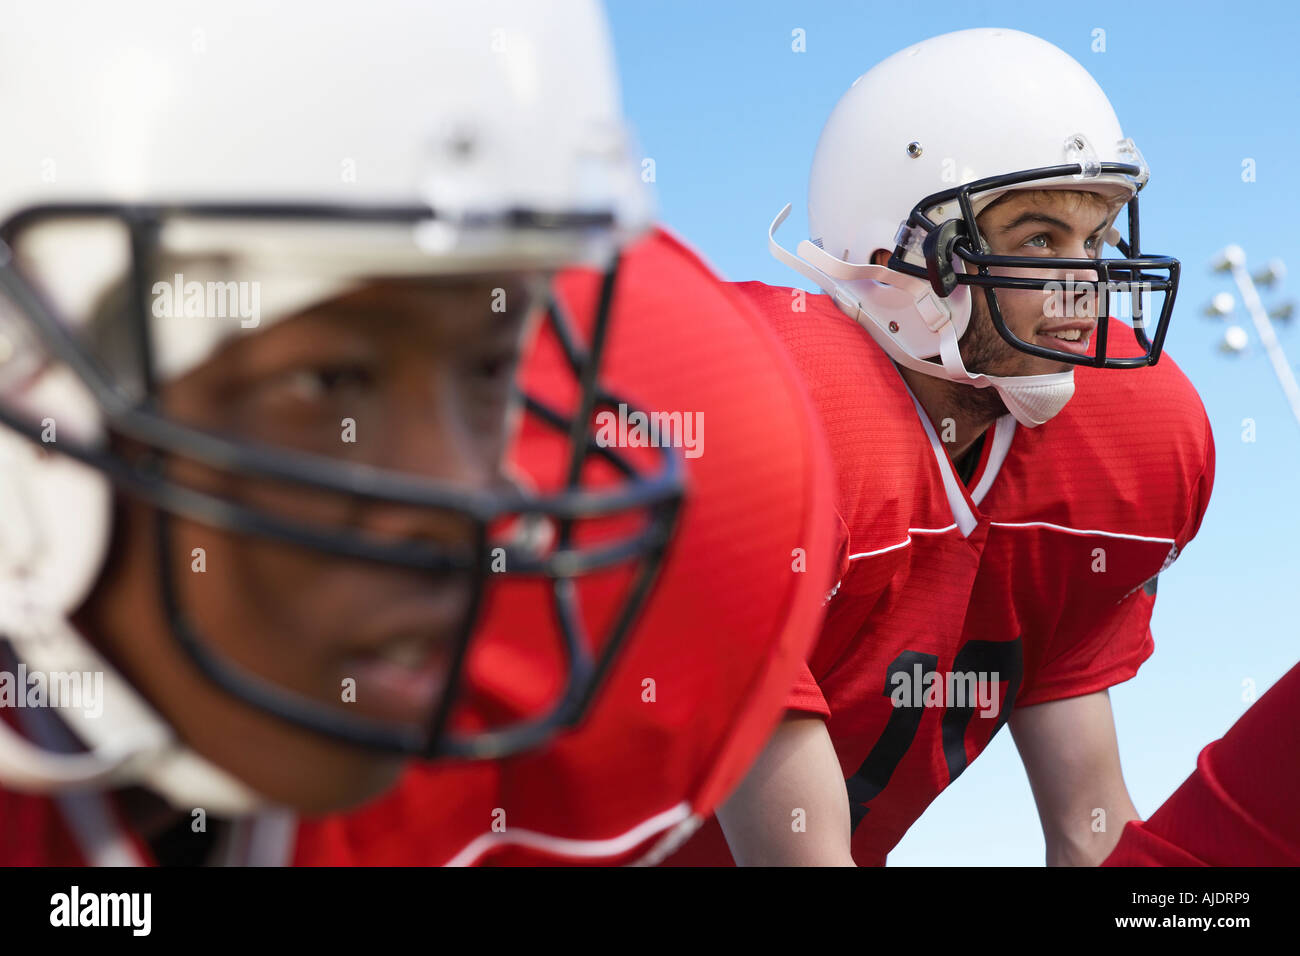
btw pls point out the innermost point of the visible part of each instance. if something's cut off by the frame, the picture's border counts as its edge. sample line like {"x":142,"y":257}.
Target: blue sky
{"x":731,"y":115}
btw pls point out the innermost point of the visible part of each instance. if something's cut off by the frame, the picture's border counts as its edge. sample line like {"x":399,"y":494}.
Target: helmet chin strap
{"x":128,"y":742}
{"x":1031,"y":399}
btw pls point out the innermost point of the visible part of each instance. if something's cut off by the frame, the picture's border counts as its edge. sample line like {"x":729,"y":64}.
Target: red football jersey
{"x":957,"y":600}
{"x":1240,"y":806}
{"x":697,"y":690}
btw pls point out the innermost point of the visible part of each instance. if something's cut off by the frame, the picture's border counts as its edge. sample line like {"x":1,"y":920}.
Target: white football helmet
{"x":311,"y":147}
{"x":916,"y":149}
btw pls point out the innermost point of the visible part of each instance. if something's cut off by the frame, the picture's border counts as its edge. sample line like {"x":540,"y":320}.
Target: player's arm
{"x":1072,"y":759}
{"x":798,"y":770}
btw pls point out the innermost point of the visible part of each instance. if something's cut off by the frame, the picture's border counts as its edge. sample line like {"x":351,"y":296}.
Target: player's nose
{"x":430,"y":441}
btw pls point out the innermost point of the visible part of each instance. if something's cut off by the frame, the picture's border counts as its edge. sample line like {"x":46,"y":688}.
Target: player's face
{"x":414,"y":376}
{"x":1062,"y":224}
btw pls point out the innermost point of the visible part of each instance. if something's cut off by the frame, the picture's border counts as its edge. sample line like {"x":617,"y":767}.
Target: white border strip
{"x":956,"y":500}
{"x":95,"y":830}
{"x":670,"y":842}
{"x":1061,"y":527}
{"x":564,"y":846}
{"x":902,"y":544}
{"x":1002,"y":435}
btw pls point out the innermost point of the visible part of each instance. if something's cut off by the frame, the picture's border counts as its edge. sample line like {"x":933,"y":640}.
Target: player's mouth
{"x":1068,"y":336}
{"x":402,"y":667}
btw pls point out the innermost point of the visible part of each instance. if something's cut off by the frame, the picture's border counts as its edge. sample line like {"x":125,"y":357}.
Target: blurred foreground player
{"x":290,"y":569}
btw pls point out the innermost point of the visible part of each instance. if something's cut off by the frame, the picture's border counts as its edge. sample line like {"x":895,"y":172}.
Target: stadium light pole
{"x":1232,"y":260}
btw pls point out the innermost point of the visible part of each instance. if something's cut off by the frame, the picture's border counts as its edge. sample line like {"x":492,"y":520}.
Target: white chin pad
{"x":1035,"y":402}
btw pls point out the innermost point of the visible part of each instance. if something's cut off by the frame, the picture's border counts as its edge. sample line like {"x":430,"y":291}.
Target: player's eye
{"x":1039,"y":241}
{"x":496,"y":367}
{"x":488,"y":377}
{"x":316,"y":384}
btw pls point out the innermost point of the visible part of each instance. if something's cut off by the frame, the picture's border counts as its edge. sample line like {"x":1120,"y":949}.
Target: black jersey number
{"x":1000,"y":657}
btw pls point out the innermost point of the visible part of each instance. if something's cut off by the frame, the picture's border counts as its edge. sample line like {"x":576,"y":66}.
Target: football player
{"x":1015,"y":469}
{"x":291,"y":568}
{"x":1239,"y":806}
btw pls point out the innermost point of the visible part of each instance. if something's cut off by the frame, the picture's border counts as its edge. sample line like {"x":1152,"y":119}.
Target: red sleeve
{"x":1111,"y":655}
{"x":1200,"y":492}
{"x":1115,"y":650}
{"x":806,"y":696}
{"x":1239,"y":807}
{"x":841,"y":562}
